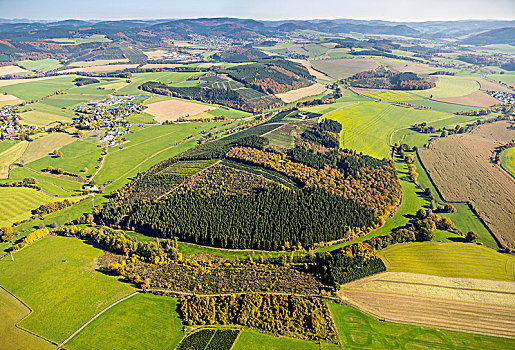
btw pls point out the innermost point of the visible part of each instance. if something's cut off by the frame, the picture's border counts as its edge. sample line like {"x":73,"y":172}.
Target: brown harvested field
{"x":11,"y":70}
{"x":461,"y":169}
{"x":108,"y":67}
{"x":511,"y":84}
{"x":433,"y":312}
{"x":297,"y":48}
{"x":299,"y":94}
{"x":309,"y":67}
{"x":8,"y":98}
{"x":475,"y":99}
{"x":414,"y":68}
{"x":492,"y":86}
{"x":343,"y":67}
{"x":161,"y":65}
{"x":155,"y":53}
{"x":171,"y":110}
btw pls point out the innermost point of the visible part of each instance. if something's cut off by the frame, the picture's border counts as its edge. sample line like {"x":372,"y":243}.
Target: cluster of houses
{"x":110,"y":115}
{"x":9,"y":123}
{"x":504,"y":97}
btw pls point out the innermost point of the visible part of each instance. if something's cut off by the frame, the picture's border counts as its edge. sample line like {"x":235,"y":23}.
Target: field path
{"x":99,"y":168}
{"x":94,"y":318}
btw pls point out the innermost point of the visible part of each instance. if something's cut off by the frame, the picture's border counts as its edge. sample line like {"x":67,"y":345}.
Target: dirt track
{"x":460,"y":167}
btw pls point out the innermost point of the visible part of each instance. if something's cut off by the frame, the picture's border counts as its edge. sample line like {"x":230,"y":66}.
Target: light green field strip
{"x":367,"y":126}
{"x":18,"y":202}
{"x":45,"y":65}
{"x":11,"y":337}
{"x":462,"y":260}
{"x":57,"y":278}
{"x":508,"y":161}
{"x":392,"y":96}
{"x":451,"y":86}
{"x":10,"y":156}
{"x":30,"y":89}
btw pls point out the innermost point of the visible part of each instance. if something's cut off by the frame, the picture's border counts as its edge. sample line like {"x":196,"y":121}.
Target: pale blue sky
{"x":400,"y":10}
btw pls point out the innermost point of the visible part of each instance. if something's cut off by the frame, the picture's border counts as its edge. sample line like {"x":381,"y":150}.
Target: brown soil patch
{"x":309,"y":67}
{"x":460,"y":167}
{"x":174,"y":109}
{"x":11,"y":70}
{"x":491,"y":86}
{"x":155,"y":53}
{"x":413,"y":68}
{"x":475,"y":99}
{"x":7,"y":98}
{"x":299,"y":94}
{"x":108,"y":67}
{"x":161,"y":65}
{"x":440,"y":313}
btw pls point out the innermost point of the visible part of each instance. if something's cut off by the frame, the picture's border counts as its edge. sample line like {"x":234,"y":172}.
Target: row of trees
{"x":280,"y":314}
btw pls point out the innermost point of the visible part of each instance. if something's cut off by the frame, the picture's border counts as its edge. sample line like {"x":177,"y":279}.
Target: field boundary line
{"x":94,"y":318}
{"x":24,"y":317}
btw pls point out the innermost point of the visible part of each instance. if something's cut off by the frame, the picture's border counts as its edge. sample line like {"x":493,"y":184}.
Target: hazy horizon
{"x":396,"y":10}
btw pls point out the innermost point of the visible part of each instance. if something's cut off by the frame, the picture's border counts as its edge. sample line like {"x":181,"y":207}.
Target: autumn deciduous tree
{"x":471,"y":237}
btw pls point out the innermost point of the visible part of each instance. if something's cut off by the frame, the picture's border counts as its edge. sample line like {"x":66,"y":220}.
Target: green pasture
{"x":366,"y":127}
{"x":42,"y":114}
{"x":391,"y":96}
{"x":44,"y":65}
{"x":315,"y":50}
{"x":35,"y":89}
{"x":441,"y":106}
{"x":508,"y":161}
{"x":357,"y":330}
{"x":57,"y":185}
{"x":154,"y":317}
{"x":505,"y":78}
{"x":252,"y":340}
{"x":57,"y":278}
{"x":326,"y":108}
{"x":76,"y":156}
{"x":141,"y":118}
{"x":450,"y":86}
{"x":18,"y":202}
{"x":461,"y":260}
{"x":83,"y":64}
{"x":165,"y":77}
{"x":229,"y":112}
{"x":13,"y":338}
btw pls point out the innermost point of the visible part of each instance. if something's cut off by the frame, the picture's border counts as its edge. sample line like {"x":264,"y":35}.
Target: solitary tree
{"x":471,"y":237}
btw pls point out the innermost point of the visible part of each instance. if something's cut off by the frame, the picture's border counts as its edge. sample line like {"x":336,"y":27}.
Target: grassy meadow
{"x":508,"y":161}
{"x":155,"y":317}
{"x":366,"y":127}
{"x":450,"y":86}
{"x":10,"y":155}
{"x":466,"y":260}
{"x":18,"y":202}
{"x":44,"y":65}
{"x":57,"y":278}
{"x":31,"y":90}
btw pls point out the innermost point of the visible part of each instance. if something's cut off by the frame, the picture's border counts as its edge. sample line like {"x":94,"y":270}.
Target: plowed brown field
{"x":458,"y":303}
{"x":461,"y":169}
{"x":475,"y":99}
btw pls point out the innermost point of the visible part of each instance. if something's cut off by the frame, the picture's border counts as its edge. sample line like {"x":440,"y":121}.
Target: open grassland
{"x":11,"y":155}
{"x":55,"y":184}
{"x":229,"y":113}
{"x":326,"y":108}
{"x":70,"y":100}
{"x":450,"y":86}
{"x":251,"y":340}
{"x":366,"y":127}
{"x":504,"y":78}
{"x":155,"y":317}
{"x":30,"y":89}
{"x":172,"y":110}
{"x":44,"y":65}
{"x":82,"y":64}
{"x":459,"y":260}
{"x":7,"y":70}
{"x":508,"y":161}
{"x":391,"y":96}
{"x":299,"y":94}
{"x":18,"y":202}
{"x":343,"y":68}
{"x":76,"y":157}
{"x":57,"y":278}
{"x":359,"y":331}
{"x":148,"y":146}
{"x":441,"y":106}
{"x":41,"y":114}
{"x":475,"y":99}
{"x":13,"y":338}
{"x":460,"y":167}
{"x":165,"y":77}
{"x":44,"y":145}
